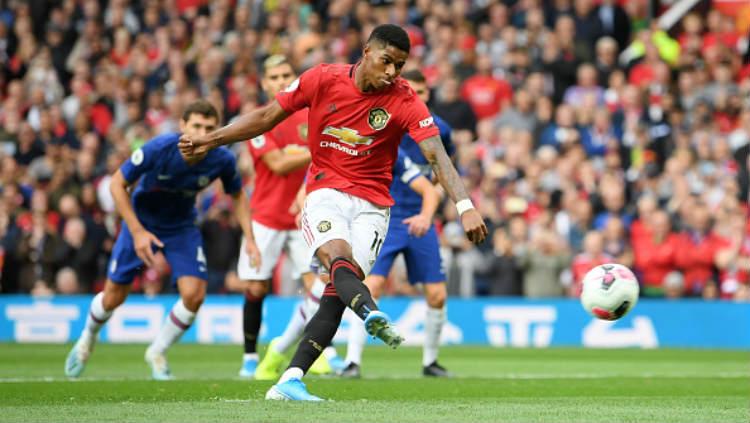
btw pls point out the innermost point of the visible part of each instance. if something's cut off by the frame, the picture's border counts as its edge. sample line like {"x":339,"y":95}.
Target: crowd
{"x":585,"y":133}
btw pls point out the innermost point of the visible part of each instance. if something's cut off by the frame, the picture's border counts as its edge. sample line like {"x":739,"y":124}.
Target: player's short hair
{"x":200,"y":107}
{"x":414,"y":75}
{"x":390,"y":34}
{"x":275,"y":60}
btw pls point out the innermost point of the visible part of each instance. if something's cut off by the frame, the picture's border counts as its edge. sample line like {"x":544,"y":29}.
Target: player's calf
{"x":318,"y":333}
{"x":252,"y":312}
{"x":347,"y":281}
{"x":100,"y":310}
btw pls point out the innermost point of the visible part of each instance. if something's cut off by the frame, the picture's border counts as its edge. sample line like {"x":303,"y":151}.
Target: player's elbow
{"x":117,"y":184}
{"x":278,"y":168}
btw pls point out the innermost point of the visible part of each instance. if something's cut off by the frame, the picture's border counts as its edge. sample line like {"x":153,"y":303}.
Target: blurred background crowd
{"x":586,"y":132}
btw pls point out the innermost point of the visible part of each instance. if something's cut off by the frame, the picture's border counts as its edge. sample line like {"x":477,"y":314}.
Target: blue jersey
{"x":164,"y":198}
{"x":404,"y":170}
{"x":408,"y":202}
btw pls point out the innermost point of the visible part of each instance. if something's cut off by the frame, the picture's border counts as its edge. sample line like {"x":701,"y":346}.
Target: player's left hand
{"x":474,"y":226}
{"x":254,"y":253}
{"x":193,"y":146}
{"x":418,"y":224}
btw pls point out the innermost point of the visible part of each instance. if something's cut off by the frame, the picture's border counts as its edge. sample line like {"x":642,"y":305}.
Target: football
{"x":609,"y":291}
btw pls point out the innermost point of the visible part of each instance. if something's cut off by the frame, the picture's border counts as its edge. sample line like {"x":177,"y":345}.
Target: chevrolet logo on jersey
{"x":348,"y":136}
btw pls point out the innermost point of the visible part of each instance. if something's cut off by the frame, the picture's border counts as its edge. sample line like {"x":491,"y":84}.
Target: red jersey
{"x":274,"y":194}
{"x":354,"y":136}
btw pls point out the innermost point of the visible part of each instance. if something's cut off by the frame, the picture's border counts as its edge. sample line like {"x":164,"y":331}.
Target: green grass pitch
{"x":492,"y":385}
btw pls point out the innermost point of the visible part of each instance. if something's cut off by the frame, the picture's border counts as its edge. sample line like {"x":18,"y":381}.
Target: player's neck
{"x":360,"y":81}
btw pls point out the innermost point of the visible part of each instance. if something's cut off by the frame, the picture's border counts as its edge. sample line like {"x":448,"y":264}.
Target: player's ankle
{"x":291,"y":373}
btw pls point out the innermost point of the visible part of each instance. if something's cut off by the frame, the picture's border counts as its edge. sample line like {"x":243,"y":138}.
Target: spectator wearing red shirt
{"x":655,"y":256}
{"x":696,"y":250}
{"x":486,"y":94}
{"x":593,"y":255}
{"x":733,"y":257}
{"x":644,"y":72}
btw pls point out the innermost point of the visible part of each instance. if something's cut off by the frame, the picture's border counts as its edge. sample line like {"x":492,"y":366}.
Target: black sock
{"x":319,"y":331}
{"x":349,"y":287}
{"x":251,"y":315}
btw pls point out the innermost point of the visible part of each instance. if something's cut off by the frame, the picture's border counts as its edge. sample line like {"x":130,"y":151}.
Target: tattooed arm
{"x":472,"y":221}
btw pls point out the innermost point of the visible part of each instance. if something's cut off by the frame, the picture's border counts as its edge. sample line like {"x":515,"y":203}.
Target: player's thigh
{"x":270,"y":242}
{"x":325,"y":225}
{"x":298,"y":253}
{"x":192,"y":291}
{"x":184,"y":253}
{"x":368,"y":231}
{"x":423,"y":261}
{"x":124,"y":263}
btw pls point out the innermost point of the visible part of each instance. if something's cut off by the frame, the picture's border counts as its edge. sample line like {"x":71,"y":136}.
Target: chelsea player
{"x":412,"y":233}
{"x":161,"y":215}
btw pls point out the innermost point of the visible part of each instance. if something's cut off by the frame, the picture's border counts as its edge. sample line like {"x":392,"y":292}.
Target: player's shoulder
{"x":325,"y":71}
{"x":162,"y":141}
{"x":334,"y":68}
{"x":223,"y":155}
{"x":402,"y":89}
{"x":298,"y":116}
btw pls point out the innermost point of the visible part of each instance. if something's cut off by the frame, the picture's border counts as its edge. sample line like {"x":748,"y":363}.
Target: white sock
{"x":293,"y":330}
{"x":330,"y":352}
{"x":176,"y":323}
{"x":97,"y":317}
{"x":250,"y":356}
{"x":291,"y":373}
{"x":312,"y":299}
{"x":433,"y":326}
{"x":357,"y":338}
{"x":317,"y":288}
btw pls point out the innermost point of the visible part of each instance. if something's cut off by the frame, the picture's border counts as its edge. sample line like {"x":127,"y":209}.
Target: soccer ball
{"x":609,"y":291}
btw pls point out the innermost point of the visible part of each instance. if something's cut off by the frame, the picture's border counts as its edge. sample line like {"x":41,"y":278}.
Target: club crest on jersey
{"x":203,"y":181}
{"x":348,"y":136}
{"x":258,"y":142}
{"x":137,"y":157}
{"x":302,"y":131}
{"x":378,"y":118}
{"x":324,"y":226}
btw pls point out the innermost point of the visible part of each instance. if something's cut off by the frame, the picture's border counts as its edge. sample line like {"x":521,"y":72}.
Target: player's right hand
{"x":143,"y":241}
{"x":251,"y":248}
{"x":474,"y":226}
{"x":192,"y":146}
{"x":418,"y":225}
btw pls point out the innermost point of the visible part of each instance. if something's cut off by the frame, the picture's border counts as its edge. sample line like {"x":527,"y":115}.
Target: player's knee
{"x":436,"y":298}
{"x":334,"y":249}
{"x":257,"y":289}
{"x":375,"y":284}
{"x":114,"y":295}
{"x":194,"y":299}
{"x":113,"y":300}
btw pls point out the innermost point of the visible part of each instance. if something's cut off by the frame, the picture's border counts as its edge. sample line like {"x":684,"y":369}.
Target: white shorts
{"x":270,"y":243}
{"x":330,"y":214}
